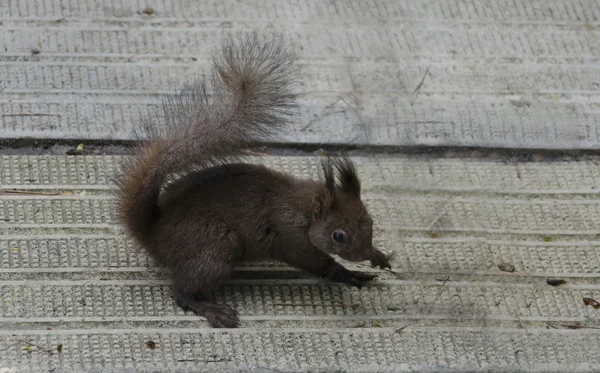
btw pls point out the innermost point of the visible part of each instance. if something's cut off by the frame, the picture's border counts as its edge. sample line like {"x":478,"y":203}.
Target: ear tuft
{"x":325,"y":199}
{"x":328,"y":172}
{"x":347,"y":175}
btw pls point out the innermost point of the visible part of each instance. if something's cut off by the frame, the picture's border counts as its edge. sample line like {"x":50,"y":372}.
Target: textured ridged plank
{"x":80,"y":254}
{"x":442,"y":73}
{"x":400,"y":173}
{"x":401,"y":78}
{"x":448,"y":222}
{"x":64,"y":301}
{"x":495,"y":73}
{"x":422,"y":350}
{"x":505,"y":11}
{"x":368,"y":42}
{"x":393,"y":213}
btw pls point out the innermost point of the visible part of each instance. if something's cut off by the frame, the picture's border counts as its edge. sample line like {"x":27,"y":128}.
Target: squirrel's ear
{"x":348,"y":176}
{"x":322,"y":203}
{"x":325,"y":199}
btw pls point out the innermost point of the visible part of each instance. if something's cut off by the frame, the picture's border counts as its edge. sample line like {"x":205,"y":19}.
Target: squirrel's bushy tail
{"x":246,"y":99}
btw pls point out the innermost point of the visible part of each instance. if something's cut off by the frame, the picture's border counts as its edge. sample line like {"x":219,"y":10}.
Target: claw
{"x":380,"y":260}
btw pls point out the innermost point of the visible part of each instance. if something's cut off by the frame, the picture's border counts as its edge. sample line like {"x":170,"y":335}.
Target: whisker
{"x":328,"y":274}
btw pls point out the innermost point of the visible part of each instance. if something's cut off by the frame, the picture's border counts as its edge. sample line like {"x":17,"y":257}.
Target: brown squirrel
{"x":223,"y":211}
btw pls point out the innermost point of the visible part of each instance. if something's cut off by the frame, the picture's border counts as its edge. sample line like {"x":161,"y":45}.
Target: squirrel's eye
{"x":339,"y":236}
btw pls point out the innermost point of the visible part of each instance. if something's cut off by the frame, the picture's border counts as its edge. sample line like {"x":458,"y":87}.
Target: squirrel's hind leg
{"x":217,"y":315}
{"x":203,"y":271}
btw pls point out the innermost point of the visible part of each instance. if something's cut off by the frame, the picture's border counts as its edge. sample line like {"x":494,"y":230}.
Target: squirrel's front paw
{"x":359,"y":279}
{"x":381,"y":260}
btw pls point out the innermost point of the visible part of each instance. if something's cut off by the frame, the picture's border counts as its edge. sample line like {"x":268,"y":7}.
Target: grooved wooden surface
{"x":464,"y":73}
{"x":68,"y":276}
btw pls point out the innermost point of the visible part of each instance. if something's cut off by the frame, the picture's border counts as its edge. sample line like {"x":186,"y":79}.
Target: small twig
{"x":341,"y":93}
{"x":518,"y":169}
{"x":27,"y":192}
{"x":289,"y":304}
{"x":397,"y":274}
{"x":30,"y":115}
{"x":420,"y":85}
{"x":577,"y":326}
{"x":342,"y":99}
{"x":438,"y":217}
{"x":320,"y":114}
{"x":353,"y":110}
{"x":205,"y":361}
{"x":423,"y":122}
{"x":398,"y":330}
{"x":29,"y":343}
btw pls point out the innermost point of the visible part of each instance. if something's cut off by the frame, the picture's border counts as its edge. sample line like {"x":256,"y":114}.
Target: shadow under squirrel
{"x":222,"y":211}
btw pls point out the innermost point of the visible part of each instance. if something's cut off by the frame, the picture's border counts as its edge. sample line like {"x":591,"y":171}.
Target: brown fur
{"x":223,"y":211}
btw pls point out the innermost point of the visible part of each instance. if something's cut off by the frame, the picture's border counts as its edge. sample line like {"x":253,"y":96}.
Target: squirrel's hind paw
{"x":220,"y":316}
